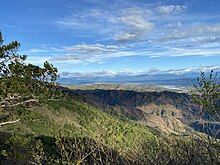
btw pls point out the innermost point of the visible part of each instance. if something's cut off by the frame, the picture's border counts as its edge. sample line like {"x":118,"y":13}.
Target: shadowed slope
{"x":166,"y":111}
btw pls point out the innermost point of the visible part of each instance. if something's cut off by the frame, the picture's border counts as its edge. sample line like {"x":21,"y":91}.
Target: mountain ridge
{"x":166,"y":111}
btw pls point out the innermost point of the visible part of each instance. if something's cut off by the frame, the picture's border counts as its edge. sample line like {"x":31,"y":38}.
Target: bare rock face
{"x":165,"y":118}
{"x":168,"y":112}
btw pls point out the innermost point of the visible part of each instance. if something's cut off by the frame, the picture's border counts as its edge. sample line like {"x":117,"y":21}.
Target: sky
{"x":112,"y":36}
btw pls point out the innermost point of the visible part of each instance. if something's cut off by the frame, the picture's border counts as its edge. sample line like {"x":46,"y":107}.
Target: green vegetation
{"x":72,"y":119}
{"x":77,"y":120}
{"x":207,"y":93}
{"x":21,"y":82}
{"x":38,"y":125}
{"x":55,"y":130}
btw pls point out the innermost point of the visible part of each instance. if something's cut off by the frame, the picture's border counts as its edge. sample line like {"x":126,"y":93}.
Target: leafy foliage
{"x":207,"y":93}
{"x":21,"y":81}
{"x":72,"y":132}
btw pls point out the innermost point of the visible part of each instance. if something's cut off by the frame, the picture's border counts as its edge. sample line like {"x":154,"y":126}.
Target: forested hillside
{"x":44,"y":123}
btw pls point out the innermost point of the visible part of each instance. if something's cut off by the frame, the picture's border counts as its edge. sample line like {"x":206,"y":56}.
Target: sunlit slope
{"x":72,"y":118}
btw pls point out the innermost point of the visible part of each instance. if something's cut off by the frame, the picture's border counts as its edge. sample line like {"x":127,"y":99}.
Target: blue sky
{"x":90,"y":36}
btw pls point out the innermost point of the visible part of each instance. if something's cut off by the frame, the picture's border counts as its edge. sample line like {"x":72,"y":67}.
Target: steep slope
{"x":73,"y":132}
{"x":72,"y":118}
{"x":166,"y":111}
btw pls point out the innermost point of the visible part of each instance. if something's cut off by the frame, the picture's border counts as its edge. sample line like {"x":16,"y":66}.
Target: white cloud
{"x":129,"y":73}
{"x":98,"y":53}
{"x":194,"y":31}
{"x":85,"y":53}
{"x":90,"y":57}
{"x":175,"y":25}
{"x":170,"y":9}
{"x":125,"y":36}
{"x":190,"y":70}
{"x":105,"y":73}
{"x":136,"y":21}
{"x":154,"y":36}
{"x":44,"y":49}
{"x":70,"y":22}
{"x":181,"y":52}
{"x":92,"y":48}
{"x":124,"y":24}
{"x":135,"y":17}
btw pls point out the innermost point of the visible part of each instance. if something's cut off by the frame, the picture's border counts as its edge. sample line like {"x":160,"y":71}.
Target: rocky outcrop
{"x":168,"y":112}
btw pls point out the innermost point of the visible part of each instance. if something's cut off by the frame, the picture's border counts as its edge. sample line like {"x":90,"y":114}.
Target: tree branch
{"x":21,"y":103}
{"x":9,"y":122}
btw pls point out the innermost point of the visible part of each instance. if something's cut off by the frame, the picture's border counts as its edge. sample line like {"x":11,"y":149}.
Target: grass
{"x":71,"y":118}
{"x":65,"y":132}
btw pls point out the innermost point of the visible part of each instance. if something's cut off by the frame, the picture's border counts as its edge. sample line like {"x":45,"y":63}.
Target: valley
{"x":90,"y":82}
{"x":167,"y":112}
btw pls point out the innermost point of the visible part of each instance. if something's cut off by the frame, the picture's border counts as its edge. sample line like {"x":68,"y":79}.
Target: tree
{"x":207,"y":97}
{"x":22,"y":83}
{"x":207,"y":93}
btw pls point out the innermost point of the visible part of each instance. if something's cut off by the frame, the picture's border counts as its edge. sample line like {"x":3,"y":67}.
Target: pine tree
{"x":22,"y":83}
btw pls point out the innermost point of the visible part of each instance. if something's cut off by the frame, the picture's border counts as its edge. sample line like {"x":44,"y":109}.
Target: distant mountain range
{"x":186,"y":79}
